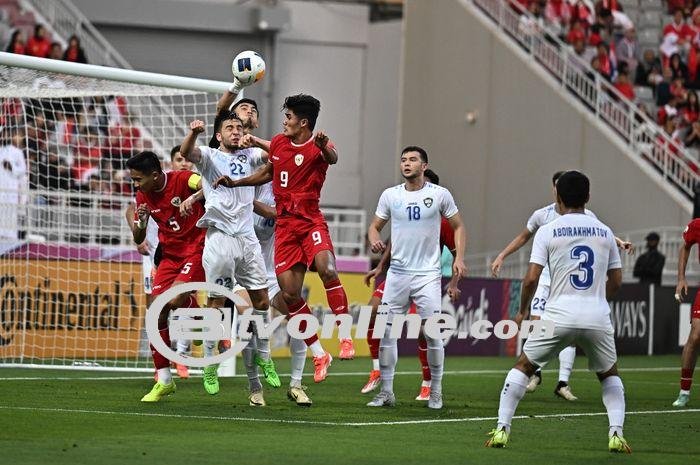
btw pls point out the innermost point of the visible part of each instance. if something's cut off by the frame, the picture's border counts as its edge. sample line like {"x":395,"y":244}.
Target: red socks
{"x":337,"y":300}
{"x":423,"y":357}
{"x":686,"y":379}
{"x":158,"y":359}
{"x":299,"y":308}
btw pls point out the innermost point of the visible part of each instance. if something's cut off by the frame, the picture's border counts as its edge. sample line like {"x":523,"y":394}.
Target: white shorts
{"x":597,"y":344}
{"x":423,"y":290}
{"x":147,"y":269}
{"x":229,"y":260}
{"x":539,"y":300}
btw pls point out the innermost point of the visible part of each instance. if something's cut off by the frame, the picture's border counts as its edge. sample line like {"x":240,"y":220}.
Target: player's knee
{"x":694,"y":336}
{"x":433,"y":343}
{"x":327,"y":273}
{"x":291,"y":297}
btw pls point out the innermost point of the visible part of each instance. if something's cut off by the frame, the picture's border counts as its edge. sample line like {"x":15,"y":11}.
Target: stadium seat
{"x":627,"y":4}
{"x":651,"y":38}
{"x":651,"y":5}
{"x":649,"y":19}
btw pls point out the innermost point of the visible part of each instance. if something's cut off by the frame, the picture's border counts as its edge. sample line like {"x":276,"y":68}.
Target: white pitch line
{"x":334,"y":423}
{"x":332,"y":373}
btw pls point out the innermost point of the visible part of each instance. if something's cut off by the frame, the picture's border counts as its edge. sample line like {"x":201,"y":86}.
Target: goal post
{"x":71,"y":287}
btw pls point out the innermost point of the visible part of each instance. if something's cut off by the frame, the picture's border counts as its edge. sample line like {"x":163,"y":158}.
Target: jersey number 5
{"x":584,"y":278}
{"x":173,"y":224}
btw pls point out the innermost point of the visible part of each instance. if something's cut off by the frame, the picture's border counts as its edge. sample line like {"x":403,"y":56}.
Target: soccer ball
{"x":248,"y":67}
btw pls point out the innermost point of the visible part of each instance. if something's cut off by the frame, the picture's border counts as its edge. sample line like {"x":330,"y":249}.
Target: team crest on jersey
{"x":298,"y":159}
{"x":175,"y":201}
{"x":242,"y":158}
{"x":428,"y":202}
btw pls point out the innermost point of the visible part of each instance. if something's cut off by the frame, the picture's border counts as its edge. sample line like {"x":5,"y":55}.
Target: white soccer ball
{"x":248,"y":67}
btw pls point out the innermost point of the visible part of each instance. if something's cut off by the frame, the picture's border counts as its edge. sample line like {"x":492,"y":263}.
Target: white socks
{"x":614,"y":401}
{"x":566,"y":363}
{"x":436,"y":362}
{"x":513,"y":390}
{"x":388,"y":354}
{"x":317,"y":349}
{"x":263,"y":345}
{"x":297,"y":347}
{"x":164,"y":376}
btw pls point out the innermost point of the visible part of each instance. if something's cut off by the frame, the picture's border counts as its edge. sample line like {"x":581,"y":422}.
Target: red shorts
{"x":695,"y":309}
{"x":298,"y":241}
{"x":379,"y":293}
{"x":172,"y":269}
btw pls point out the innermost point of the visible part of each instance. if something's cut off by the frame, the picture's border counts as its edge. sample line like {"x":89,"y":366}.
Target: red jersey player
{"x":159,"y":196}
{"x":691,"y":236}
{"x":447,"y":239}
{"x":297,"y":168}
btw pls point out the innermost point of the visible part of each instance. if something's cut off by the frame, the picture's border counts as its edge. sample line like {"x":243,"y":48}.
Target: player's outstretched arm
{"x":614,"y":282}
{"x":264,"y":210}
{"x":330,"y":154}
{"x":527,"y":290}
{"x":226,"y":100}
{"x":459,"y":269}
{"x":261,"y":176}
{"x":249,"y":140}
{"x":682,"y":286}
{"x":188,"y":149}
{"x":625,"y":245}
{"x":376,"y":244}
{"x":517,"y":242}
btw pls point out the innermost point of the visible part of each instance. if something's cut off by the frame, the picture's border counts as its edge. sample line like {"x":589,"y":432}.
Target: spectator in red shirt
{"x":595,"y":37}
{"x":577,"y":32}
{"x":622,"y":83}
{"x":606,"y":65}
{"x":16,"y":43}
{"x":680,"y":28}
{"x":74,"y":52}
{"x":39,"y":45}
{"x":557,"y":13}
{"x":684,"y":5}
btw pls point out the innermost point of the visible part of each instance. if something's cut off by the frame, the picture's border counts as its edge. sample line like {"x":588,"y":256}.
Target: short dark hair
{"x":573,"y":188}
{"x":305,"y":107}
{"x":220,"y":118}
{"x":145,"y":162}
{"x":246,"y":100}
{"x":173,"y":151}
{"x":556,"y":176}
{"x":432,"y":176}
{"x":415,"y":148}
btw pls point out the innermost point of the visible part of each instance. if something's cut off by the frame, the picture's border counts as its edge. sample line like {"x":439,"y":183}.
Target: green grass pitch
{"x":74,"y":417}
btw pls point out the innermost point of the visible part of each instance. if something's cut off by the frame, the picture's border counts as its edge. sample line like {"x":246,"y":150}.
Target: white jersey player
{"x":585,"y":270}
{"x":232,"y":253}
{"x":415,"y":209}
{"x":567,"y":356}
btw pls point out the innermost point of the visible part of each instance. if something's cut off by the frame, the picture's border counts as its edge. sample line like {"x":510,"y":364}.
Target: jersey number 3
{"x":584,"y":278}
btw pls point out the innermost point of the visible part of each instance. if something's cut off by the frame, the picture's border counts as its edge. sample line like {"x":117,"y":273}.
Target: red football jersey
{"x":179,"y":234}
{"x":298,"y":175}
{"x":691,"y":233}
{"x":447,"y":235}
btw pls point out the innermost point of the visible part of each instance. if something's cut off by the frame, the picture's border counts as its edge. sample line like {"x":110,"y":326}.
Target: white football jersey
{"x":539,"y":218}
{"x":580,"y":250}
{"x":227,"y":209}
{"x":415,"y":226}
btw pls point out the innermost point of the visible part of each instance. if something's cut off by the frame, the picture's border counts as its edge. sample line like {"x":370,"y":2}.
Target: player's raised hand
{"x":247,"y":141}
{"x":681,"y":290}
{"x":142,"y":214}
{"x":321,"y":139}
{"x":224,"y":181}
{"x":197,"y":126}
{"x":459,"y":269}
{"x":496,"y":266}
{"x":377,"y":247}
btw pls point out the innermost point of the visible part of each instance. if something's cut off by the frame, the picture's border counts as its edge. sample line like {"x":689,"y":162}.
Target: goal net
{"x":71,"y":282}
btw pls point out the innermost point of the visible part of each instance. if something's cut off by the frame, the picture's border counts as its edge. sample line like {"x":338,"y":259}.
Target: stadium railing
{"x":637,"y":131}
